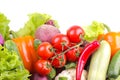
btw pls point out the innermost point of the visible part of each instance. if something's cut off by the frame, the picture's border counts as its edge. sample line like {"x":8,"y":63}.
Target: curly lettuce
{"x":4,"y":27}
{"x":93,"y":31}
{"x":35,"y":20}
{"x":10,"y":66}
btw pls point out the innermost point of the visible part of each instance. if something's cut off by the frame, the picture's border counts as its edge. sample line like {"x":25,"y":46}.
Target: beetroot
{"x":46,"y":32}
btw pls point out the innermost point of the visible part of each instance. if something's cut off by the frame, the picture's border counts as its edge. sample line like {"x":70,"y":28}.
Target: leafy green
{"x":4,"y":28}
{"x":10,"y":66}
{"x":118,"y":78}
{"x":70,"y":65}
{"x":35,"y":20}
{"x":92,"y":31}
{"x":52,"y":74}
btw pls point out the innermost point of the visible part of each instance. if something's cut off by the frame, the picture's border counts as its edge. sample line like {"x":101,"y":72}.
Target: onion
{"x":46,"y":32}
{"x":1,"y":40}
{"x":36,"y":76}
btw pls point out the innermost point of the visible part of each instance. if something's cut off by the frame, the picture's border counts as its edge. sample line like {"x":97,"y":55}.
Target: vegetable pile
{"x":40,"y":51}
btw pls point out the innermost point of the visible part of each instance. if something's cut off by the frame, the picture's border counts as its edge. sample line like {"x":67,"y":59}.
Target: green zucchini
{"x":99,"y":62}
{"x":114,"y":67}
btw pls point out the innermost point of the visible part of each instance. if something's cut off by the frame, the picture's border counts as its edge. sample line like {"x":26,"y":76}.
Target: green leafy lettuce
{"x":10,"y":66}
{"x":4,"y":28}
{"x":92,"y":31}
{"x":35,"y":20}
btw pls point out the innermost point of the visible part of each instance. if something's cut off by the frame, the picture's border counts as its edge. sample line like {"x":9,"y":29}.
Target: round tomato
{"x":59,"y":61}
{"x":43,"y":67}
{"x":60,"y":42}
{"x":75,"y":33}
{"x":73,"y":54}
{"x":45,"y":50}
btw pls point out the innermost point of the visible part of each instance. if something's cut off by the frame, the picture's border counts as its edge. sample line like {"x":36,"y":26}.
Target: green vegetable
{"x":63,"y":78}
{"x":10,"y":66}
{"x":92,"y":31}
{"x":37,"y":42}
{"x":35,"y":20}
{"x":118,"y":78}
{"x":52,"y":74}
{"x":70,"y":65}
{"x":114,"y":67}
{"x":99,"y":62}
{"x":11,"y":46}
{"x":4,"y":28}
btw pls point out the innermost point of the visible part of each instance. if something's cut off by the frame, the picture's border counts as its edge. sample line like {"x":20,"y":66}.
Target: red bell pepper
{"x":85,"y":54}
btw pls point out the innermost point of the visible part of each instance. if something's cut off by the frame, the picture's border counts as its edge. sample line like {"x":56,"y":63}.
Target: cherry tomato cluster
{"x":63,"y":48}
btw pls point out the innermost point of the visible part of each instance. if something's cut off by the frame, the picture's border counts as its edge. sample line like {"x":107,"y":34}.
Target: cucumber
{"x":99,"y":62}
{"x":114,"y":67}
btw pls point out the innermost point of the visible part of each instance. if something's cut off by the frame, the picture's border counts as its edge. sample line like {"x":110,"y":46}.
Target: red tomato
{"x":45,"y":50}
{"x":59,"y":61}
{"x":60,"y":42}
{"x":73,"y":54}
{"x":43,"y":67}
{"x":74,"y":33}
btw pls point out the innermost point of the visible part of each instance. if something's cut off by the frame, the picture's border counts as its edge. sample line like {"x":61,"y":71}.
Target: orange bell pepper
{"x":27,"y":51}
{"x":114,"y":40}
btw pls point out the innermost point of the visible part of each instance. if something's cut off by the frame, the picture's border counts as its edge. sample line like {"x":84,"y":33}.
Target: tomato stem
{"x":67,"y":50}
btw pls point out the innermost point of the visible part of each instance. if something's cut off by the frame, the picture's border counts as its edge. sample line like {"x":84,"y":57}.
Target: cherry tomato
{"x":43,"y":67}
{"x":73,"y":54}
{"x":75,"y":33}
{"x":60,"y":42}
{"x":45,"y":50}
{"x":59,"y":61}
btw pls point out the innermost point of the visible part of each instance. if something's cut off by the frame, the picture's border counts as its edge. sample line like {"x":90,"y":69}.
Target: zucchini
{"x":99,"y":62}
{"x":114,"y":67}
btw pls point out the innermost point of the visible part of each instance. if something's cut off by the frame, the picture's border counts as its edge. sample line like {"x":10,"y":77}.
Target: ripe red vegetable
{"x":75,"y":33}
{"x":60,"y":42}
{"x":59,"y":60}
{"x":73,"y":54}
{"x":43,"y":67}
{"x":45,"y":50}
{"x":85,"y":54}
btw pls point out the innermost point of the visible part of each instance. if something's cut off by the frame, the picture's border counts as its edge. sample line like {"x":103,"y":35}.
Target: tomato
{"x":59,"y":61}
{"x":45,"y":50}
{"x":73,"y":54}
{"x":43,"y":67}
{"x":75,"y":33}
{"x":60,"y":42}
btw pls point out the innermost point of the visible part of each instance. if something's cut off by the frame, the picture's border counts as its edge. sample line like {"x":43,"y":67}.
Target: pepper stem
{"x":107,"y":27}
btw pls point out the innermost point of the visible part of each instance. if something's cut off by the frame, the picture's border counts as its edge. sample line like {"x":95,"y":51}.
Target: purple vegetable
{"x":50,"y":22}
{"x":46,"y":32}
{"x":36,"y":76}
{"x":1,"y":40}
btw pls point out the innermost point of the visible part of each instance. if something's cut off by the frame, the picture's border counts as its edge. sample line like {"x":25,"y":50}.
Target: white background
{"x":66,"y":12}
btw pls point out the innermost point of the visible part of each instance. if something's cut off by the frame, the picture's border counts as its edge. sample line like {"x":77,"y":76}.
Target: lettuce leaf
{"x":35,"y":20}
{"x":93,"y":31}
{"x":10,"y":66}
{"x":4,"y":28}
